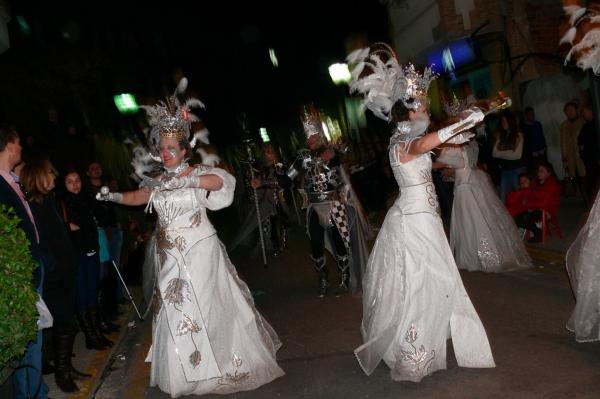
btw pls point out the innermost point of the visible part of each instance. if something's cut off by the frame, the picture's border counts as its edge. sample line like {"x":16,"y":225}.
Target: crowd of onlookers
{"x":515,"y":154}
{"x":77,"y":243}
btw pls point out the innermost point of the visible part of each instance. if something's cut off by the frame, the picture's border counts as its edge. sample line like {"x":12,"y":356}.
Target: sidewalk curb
{"x":102,"y":359}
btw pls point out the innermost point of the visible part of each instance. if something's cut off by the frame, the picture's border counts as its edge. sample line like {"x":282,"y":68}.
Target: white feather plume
{"x":181,"y":86}
{"x":587,"y":49}
{"x":194,"y":103}
{"x":591,"y":59}
{"x":383,"y":86}
{"x":193,"y":118}
{"x":143,"y":161}
{"x":576,"y":14}
{"x":208,"y":159}
{"x":569,"y":36}
{"x":358,"y":55}
{"x":200,"y":135}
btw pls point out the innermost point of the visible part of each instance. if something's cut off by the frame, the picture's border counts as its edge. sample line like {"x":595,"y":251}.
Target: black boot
{"x":92,"y":341}
{"x":107,"y":326}
{"x":95,"y":324}
{"x":344,"y":270}
{"x":78,"y":375}
{"x":321,"y":270}
{"x":63,"y":347}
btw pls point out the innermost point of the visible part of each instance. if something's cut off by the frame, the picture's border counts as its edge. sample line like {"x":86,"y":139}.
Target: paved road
{"x":524,"y":314}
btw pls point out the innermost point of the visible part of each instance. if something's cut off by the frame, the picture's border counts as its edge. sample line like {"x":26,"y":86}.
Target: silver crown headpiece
{"x":172,"y":118}
{"x":454,"y":107}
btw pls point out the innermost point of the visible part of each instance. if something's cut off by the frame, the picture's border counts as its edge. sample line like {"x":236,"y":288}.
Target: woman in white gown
{"x":483,"y":235}
{"x":413,"y":296}
{"x":584,"y":273}
{"x":207,"y":335}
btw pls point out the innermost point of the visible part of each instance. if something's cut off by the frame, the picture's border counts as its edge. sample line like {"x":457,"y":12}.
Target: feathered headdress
{"x":169,"y":118}
{"x":378,"y":76}
{"x":172,"y":118}
{"x":583,"y":34}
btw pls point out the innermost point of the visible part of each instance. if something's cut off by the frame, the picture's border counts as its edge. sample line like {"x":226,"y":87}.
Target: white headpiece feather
{"x":387,"y":81}
{"x":208,"y":159}
{"x":587,"y":49}
{"x":169,"y":118}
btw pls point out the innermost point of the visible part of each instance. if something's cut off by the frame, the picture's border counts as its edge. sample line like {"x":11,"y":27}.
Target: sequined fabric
{"x":206,"y":310}
{"x":413,"y":297}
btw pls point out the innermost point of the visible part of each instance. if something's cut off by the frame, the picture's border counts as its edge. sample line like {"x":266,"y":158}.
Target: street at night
{"x":300,"y":200}
{"x":524,"y":314}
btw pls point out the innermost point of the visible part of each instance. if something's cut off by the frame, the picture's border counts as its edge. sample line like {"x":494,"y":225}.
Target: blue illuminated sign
{"x":453,"y":55}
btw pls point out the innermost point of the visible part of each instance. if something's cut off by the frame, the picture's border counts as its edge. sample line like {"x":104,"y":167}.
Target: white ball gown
{"x":483,"y":235}
{"x":413,"y":296}
{"x":584,"y":272}
{"x":207,"y":335}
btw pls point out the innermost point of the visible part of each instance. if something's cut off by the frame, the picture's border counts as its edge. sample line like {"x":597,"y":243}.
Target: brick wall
{"x":544,"y":20}
{"x":530,"y":26}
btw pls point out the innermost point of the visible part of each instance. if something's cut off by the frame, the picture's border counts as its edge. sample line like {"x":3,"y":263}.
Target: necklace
{"x":171,"y":172}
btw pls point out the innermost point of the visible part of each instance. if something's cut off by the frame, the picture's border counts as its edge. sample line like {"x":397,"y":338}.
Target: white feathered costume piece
{"x":169,"y":118}
{"x":382,"y":81}
{"x":583,"y":35}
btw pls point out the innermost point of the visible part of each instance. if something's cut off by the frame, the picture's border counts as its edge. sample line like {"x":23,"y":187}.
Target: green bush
{"x":18,"y":313}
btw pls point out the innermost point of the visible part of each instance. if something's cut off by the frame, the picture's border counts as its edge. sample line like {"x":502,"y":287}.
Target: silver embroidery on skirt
{"x":416,"y":362}
{"x":489,"y":259}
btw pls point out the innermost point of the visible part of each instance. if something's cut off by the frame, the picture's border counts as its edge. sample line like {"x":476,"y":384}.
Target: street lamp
{"x":339,"y":73}
{"x":126,"y":103}
{"x":273,"y":58}
{"x":264,"y":135}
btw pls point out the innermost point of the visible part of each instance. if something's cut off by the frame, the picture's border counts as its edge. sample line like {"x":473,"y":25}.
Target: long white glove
{"x":105,"y":195}
{"x":461,"y":138}
{"x":174,"y":183}
{"x":447,"y":133}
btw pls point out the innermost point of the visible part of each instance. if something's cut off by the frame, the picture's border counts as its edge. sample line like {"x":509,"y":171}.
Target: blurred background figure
{"x":508,"y":150}
{"x":84,"y":233}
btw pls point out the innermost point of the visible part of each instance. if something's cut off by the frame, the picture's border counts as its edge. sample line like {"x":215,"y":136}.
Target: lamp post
{"x":340,"y":74}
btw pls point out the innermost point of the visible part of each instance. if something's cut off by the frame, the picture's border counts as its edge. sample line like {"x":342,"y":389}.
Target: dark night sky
{"x":221,"y":46}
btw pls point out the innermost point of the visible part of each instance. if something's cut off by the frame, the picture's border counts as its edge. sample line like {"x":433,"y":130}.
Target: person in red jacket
{"x":515,"y":200}
{"x":545,"y":196}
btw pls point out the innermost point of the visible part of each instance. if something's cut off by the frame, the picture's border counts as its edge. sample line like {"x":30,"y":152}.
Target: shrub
{"x":18,"y":313}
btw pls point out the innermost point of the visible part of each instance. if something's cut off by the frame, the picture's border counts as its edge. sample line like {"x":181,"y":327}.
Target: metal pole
{"x":127,"y":290}
{"x":256,"y":205}
{"x":260,"y":227}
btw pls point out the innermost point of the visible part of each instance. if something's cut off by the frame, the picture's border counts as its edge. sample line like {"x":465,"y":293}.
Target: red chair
{"x":550,"y":222}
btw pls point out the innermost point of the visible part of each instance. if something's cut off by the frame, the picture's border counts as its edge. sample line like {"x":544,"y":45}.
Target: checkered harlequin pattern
{"x":340,"y":219}
{"x":266,"y":225}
